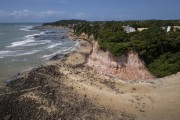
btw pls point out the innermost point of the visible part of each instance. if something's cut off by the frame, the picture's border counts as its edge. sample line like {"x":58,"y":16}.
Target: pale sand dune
{"x":157,"y":99}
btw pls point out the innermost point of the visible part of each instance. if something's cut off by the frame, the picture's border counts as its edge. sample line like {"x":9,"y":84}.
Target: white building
{"x":141,"y":29}
{"x":128,"y":29}
{"x":168,"y":28}
{"x":176,"y":27}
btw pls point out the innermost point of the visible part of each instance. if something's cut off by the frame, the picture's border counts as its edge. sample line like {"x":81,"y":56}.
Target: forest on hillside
{"x":64,"y":23}
{"x":159,"y":49}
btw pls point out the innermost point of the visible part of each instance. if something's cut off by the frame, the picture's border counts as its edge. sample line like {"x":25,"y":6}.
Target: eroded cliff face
{"x":127,"y":66}
{"x":72,"y":36}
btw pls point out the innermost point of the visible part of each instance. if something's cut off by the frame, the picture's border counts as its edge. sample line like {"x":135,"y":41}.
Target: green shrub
{"x":166,"y":64}
{"x":158,"y":49}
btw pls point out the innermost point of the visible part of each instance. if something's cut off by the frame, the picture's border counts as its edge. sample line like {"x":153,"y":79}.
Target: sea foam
{"x":28,"y":39}
{"x":17,"y":53}
{"x":27,"y":28}
{"x":41,"y":42}
{"x":6,"y":53}
{"x":62,"y":51}
{"x":54,"y":45}
{"x":27,"y":53}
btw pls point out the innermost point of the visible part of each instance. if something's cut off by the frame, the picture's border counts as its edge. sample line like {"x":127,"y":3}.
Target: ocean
{"x":23,"y":47}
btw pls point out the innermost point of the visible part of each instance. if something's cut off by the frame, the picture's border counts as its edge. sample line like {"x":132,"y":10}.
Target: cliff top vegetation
{"x":158,"y":48}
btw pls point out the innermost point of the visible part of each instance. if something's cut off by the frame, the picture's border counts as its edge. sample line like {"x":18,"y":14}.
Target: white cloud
{"x":51,"y":12}
{"x":29,"y":13}
{"x":21,"y":13}
{"x":48,"y":15}
{"x":41,"y":14}
{"x":2,"y":13}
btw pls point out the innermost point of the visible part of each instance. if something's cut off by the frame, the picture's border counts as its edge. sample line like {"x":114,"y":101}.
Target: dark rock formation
{"x":42,"y":95}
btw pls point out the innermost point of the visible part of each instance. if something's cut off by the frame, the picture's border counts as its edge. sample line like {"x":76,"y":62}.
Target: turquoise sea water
{"x":23,"y":47}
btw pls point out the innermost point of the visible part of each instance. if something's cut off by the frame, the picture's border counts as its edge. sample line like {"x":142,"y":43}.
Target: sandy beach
{"x":68,"y":89}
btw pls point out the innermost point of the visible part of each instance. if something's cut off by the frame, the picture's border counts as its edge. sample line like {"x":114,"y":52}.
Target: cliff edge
{"x":126,"y":67}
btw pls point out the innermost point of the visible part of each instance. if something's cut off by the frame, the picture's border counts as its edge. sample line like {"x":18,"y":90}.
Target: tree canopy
{"x":158,"y":49}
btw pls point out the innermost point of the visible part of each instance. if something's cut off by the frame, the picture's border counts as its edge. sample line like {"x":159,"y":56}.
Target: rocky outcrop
{"x":72,"y":36}
{"x":83,"y":36}
{"x":127,"y":66}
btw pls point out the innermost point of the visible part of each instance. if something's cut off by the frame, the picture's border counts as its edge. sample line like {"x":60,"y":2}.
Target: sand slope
{"x":153,"y":99}
{"x":68,"y":89}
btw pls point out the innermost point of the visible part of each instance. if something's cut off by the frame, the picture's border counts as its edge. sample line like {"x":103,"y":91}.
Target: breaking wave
{"x":54,"y":45}
{"x":62,"y":51}
{"x":28,"y":39}
{"x":14,"y":53}
{"x":27,"y":28}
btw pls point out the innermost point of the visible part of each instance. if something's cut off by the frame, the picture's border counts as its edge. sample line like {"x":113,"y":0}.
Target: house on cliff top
{"x":128,"y":29}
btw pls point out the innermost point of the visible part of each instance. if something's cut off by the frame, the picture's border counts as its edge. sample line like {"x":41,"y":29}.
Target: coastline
{"x":29,"y":47}
{"x":68,"y":89}
{"x":53,"y":80}
{"x":51,"y":61}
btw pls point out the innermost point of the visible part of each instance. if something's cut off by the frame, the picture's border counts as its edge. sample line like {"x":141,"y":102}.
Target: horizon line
{"x":94,"y":20}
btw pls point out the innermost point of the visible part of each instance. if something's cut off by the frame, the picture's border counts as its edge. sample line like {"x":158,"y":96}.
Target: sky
{"x":53,"y":10}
